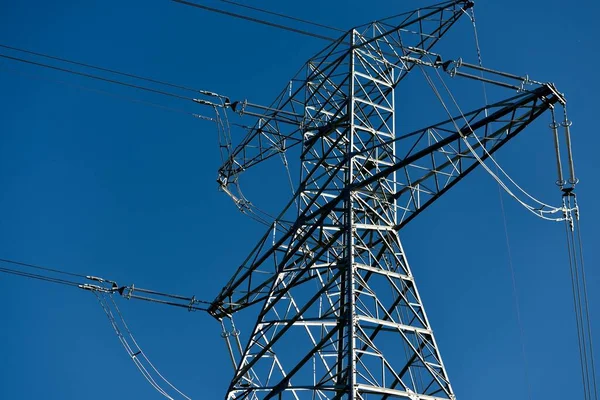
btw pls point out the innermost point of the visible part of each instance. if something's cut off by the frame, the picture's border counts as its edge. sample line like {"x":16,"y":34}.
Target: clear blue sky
{"x":98,"y":185}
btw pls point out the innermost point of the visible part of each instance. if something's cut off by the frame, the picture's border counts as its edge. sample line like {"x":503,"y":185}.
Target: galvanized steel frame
{"x":341,"y":315}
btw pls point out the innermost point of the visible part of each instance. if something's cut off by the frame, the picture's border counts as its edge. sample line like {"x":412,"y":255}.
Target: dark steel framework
{"x":341,"y":316}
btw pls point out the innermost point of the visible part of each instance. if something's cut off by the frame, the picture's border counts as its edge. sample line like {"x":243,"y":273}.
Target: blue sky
{"x":96,"y":184}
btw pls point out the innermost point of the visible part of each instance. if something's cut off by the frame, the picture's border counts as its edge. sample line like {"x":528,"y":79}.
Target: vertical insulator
{"x":554,"y":126}
{"x":567,"y":124}
{"x":226,"y":335}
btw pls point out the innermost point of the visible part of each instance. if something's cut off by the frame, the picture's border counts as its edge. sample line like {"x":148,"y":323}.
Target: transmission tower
{"x":340,"y":314}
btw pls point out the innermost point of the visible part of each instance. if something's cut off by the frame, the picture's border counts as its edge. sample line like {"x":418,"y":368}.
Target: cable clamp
{"x":129,"y":291}
{"x":94,"y":288}
{"x":192,"y":302}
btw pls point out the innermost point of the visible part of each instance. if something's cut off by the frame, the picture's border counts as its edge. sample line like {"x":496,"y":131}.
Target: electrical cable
{"x":580,"y":299}
{"x":133,"y":349}
{"x":252,"y":19}
{"x":133,"y":355}
{"x":505,"y":225}
{"x":125,"y":291}
{"x":112,"y":71}
{"x":282,"y":15}
{"x":142,"y":352}
{"x":254,"y":213}
{"x":22,"y":264}
{"x":594,"y":389}
{"x":536,"y":211}
{"x":86,"y":75}
{"x":540,"y":203}
{"x":106,"y":93}
{"x":576,"y":306}
{"x":38,"y":277}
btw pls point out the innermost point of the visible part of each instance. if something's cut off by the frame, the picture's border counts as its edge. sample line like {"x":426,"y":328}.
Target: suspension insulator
{"x":567,"y":125}
{"x":554,"y":126}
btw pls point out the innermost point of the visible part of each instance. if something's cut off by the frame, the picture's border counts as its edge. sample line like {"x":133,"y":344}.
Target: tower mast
{"x":341,"y":316}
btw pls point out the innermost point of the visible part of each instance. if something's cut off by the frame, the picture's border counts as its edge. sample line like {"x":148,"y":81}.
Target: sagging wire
{"x":570,"y":211}
{"x":244,"y":205}
{"x":226,"y":149}
{"x":122,"y":339}
{"x":542,"y":208}
{"x":542,"y":205}
{"x":131,"y":346}
{"x":104,"y":294}
{"x":511,"y":268}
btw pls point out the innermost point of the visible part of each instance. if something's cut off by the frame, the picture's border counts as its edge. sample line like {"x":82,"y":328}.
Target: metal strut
{"x":108,"y":286}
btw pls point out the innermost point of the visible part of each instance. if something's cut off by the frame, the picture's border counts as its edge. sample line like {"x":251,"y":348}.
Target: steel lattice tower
{"x":341,"y":315}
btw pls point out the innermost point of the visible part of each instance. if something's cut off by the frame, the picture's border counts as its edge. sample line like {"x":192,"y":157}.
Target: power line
{"x":132,"y":347}
{"x":235,"y":3}
{"x":258,"y":21}
{"x":594,"y":388}
{"x":112,"y":71}
{"x":126,"y":291}
{"x":86,"y":75}
{"x":11,"y":271}
{"x":511,"y":268}
{"x":58,"y":271}
{"x":104,"y":92}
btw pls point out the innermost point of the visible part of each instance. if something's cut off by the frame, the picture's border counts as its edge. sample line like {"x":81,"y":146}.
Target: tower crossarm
{"x":439,"y":156}
{"x":432,"y":161}
{"x":317,"y":100}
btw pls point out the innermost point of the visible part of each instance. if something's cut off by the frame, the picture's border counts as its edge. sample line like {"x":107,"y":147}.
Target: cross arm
{"x":436,"y":159}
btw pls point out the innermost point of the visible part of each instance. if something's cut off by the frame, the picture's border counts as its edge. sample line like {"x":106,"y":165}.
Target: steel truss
{"x":341,"y":315}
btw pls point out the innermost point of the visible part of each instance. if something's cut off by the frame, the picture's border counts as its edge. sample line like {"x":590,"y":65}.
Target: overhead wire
{"x":91,"y":76}
{"x":579,"y":286}
{"x":538,"y":211}
{"x":91,"y":66}
{"x":134,"y":351}
{"x":262,"y":10}
{"x":552,"y":210}
{"x":577,"y":275}
{"x":577,"y":223}
{"x":39,"y":267}
{"x":580,"y":299}
{"x":45,"y":278}
{"x":246,"y":207}
{"x":253,"y":19}
{"x":105,"y":93}
{"x":38,"y":277}
{"x":108,"y":80}
{"x":125,"y":291}
{"x":141,"y":351}
{"x":101,"y":297}
{"x":577,"y":309}
{"x":511,"y":267}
